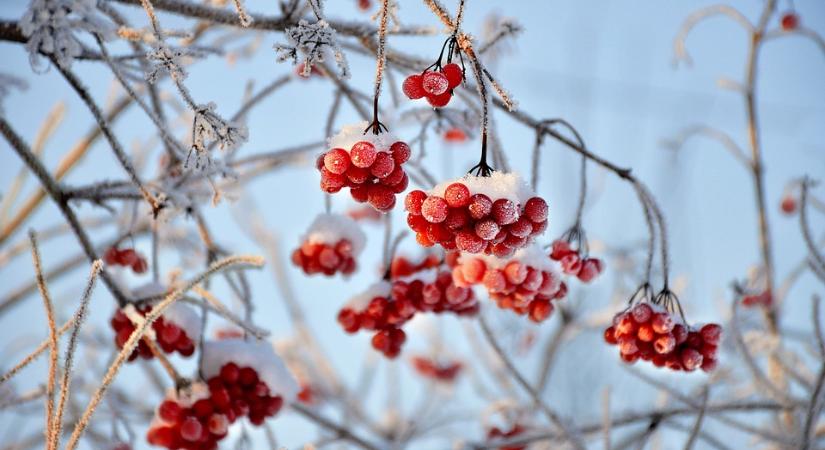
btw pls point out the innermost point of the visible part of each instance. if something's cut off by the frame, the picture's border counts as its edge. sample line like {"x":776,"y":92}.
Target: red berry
{"x":790,"y":21}
{"x":112,"y":256}
{"x":383,"y":165}
{"x":480,"y":206}
{"x":691,"y":359}
{"x":504,"y":211}
{"x":487,"y":229}
{"x":560,"y":249}
{"x":434,"y":83}
{"x":400,"y":152}
{"x":645,"y":333}
{"x":170,"y":333}
{"x":336,"y":160}
{"x":610,"y":336}
{"x":413,"y":202}
{"x":218,"y":424}
{"x":247,"y":376}
{"x":540,"y":310}
{"x":457,"y":195}
{"x":434,"y":209}
{"x":662,"y":323}
{"x":708,"y":364}
{"x":788,"y":205}
{"x":453,"y":73}
{"x":381,"y":197}
{"x":439,"y":101}
{"x":536,"y":209}
{"x":413,"y":87}
{"x":202,"y":408}
{"x":571,"y":264}
{"x":680,"y":333}
{"x":642,"y":312}
{"x":590,"y":270}
{"x":469,"y":242}
{"x":363,"y":154}
{"x":331,"y":182}
{"x":357,"y":175}
{"x":664,"y":344}
{"x":515,"y":272}
{"x":711,"y":333}
{"x":190,"y":429}
{"x":494,"y":280}
{"x":229,"y":373}
{"x":457,"y":218}
{"x":169,"y":411}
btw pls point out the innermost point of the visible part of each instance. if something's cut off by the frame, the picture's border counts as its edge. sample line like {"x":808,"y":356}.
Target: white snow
{"x":149,"y":290}
{"x":350,"y":134}
{"x":259,"y":355}
{"x":359,"y":302}
{"x":533,"y":255}
{"x":185,"y":318}
{"x":331,"y":228}
{"x":498,"y":185}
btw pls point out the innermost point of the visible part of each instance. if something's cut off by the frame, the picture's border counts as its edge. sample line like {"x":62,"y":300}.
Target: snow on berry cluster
{"x":330,"y":246}
{"x":386,"y":306}
{"x":436,"y":85}
{"x":369,"y":165}
{"x":525,"y":283}
{"x":244,"y":379}
{"x":650,"y":333}
{"x":176,"y":330}
{"x":495,"y":215}
{"x":443,"y":371}
{"x":126,"y":257}
{"x":574,"y":263}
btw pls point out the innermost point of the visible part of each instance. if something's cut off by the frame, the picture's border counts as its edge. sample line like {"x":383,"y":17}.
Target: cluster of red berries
{"x":650,"y":333}
{"x":170,"y":337}
{"x":402,"y":266}
{"x":474,"y":223}
{"x":436,"y":85}
{"x":572,"y":262}
{"x":439,"y":371}
{"x":386,"y":306}
{"x":234,"y":393}
{"x":126,"y":257}
{"x":514,"y":285}
{"x":373,"y":175}
{"x":497,"y":433}
{"x":317,"y":257}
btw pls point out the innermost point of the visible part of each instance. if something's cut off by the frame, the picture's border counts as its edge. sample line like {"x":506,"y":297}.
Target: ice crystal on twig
{"x":49,"y":26}
{"x":209,"y":126}
{"x":317,"y":42}
{"x":166,"y":59}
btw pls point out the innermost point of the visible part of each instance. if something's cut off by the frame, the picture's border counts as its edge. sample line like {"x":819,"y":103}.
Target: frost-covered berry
{"x":536,"y":209}
{"x":434,"y":83}
{"x":363,"y":154}
{"x":337,"y":161}
{"x":400,"y":152}
{"x":434,"y":209}
{"x":457,"y":195}
{"x":453,"y":73}
{"x":439,"y":101}
{"x":413,"y":87}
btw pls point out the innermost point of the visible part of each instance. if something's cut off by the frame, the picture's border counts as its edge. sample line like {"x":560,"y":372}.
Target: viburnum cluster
{"x":435,"y":83}
{"x":443,"y":371}
{"x":176,"y":330}
{"x":331,"y":245}
{"x":495,"y":214}
{"x":649,"y":332}
{"x":525,"y":283}
{"x":387,"y":305}
{"x":573,"y":262}
{"x":370,"y":165}
{"x":127,"y":257}
{"x":244,"y":379}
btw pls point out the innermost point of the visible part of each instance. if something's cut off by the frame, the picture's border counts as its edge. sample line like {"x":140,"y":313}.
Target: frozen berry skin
{"x":469,"y":242}
{"x":435,"y":83}
{"x":453,"y":73}
{"x":439,"y":101}
{"x":337,"y":161}
{"x":536,"y":209}
{"x":487,"y":229}
{"x":480,"y":206}
{"x":383,"y":165}
{"x":400,"y":152}
{"x":381,"y":197}
{"x":413,"y":201}
{"x":434,"y":209}
{"x":413,"y":87}
{"x":504,"y":211}
{"x":711,"y":333}
{"x":457,"y":195}
{"x":363,"y":154}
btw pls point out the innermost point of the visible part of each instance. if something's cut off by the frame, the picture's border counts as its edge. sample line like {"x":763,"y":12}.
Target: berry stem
{"x":376,"y":126}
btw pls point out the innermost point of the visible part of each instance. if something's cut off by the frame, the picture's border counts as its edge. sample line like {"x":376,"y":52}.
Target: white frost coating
{"x":260,"y":356}
{"x":331,"y":228}
{"x":185,"y":318}
{"x":150,"y":289}
{"x":532,"y":255}
{"x":498,"y":185}
{"x":360,"y":301}
{"x":426,"y":275}
{"x":350,"y":134}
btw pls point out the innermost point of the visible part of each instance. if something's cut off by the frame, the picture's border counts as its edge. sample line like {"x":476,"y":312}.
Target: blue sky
{"x":606,"y":67}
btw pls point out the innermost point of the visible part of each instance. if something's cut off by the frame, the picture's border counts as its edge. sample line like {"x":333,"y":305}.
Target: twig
{"x":697,"y":426}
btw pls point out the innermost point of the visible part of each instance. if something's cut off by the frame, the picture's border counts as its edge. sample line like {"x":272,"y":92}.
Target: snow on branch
{"x":317,"y":43}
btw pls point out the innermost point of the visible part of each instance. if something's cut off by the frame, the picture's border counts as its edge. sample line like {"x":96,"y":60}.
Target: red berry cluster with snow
{"x":649,"y":332}
{"x":126,"y":257}
{"x":443,"y":371}
{"x":525,"y":283}
{"x":331,"y":245}
{"x":496,"y":214}
{"x":370,"y":165}
{"x":176,"y":330}
{"x":436,"y":85}
{"x":244,"y":379}
{"x":386,"y":306}
{"x":574,"y":263}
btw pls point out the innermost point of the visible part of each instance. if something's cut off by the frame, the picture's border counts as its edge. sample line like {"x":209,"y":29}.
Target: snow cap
{"x":259,"y":355}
